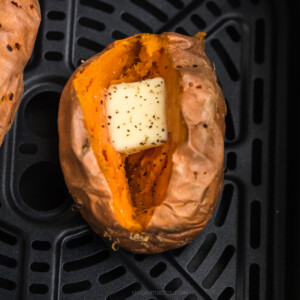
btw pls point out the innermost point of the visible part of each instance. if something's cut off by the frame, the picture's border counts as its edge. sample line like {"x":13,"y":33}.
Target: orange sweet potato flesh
{"x":139,"y":181}
{"x":160,"y":198}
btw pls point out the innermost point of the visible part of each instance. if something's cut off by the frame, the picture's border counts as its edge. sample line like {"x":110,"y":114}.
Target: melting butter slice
{"x":136,"y":115}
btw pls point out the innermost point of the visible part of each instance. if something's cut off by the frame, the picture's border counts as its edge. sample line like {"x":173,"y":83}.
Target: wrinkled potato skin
{"x":197,"y":174}
{"x":19,"y":23}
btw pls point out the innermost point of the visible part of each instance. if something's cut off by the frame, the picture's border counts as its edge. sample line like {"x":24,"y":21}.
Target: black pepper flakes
{"x":102,"y":126}
{"x":11,"y":96}
{"x":15,"y":3}
{"x":101,"y":102}
{"x":31,"y":6}
{"x":178,"y":67}
{"x":195,"y":66}
{"x":17,"y":45}
{"x":199,"y":86}
{"x":205,"y":125}
{"x":9,"y":48}
{"x":109,"y":117}
{"x":190,"y":84}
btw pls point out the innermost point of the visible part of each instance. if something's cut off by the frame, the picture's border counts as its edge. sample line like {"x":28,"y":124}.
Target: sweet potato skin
{"x":19,"y":23}
{"x":197,"y":173}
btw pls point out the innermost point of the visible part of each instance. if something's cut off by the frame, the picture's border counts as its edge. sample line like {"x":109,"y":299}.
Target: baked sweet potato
{"x":159,"y":198}
{"x":19,"y":23}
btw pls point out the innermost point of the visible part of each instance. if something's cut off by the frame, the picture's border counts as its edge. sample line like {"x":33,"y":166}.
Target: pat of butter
{"x":136,"y":115}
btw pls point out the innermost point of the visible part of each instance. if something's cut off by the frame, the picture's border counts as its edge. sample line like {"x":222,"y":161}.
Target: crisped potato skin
{"x":197,"y":174}
{"x":19,"y":23}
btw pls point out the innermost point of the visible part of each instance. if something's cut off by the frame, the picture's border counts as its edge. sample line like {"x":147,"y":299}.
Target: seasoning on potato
{"x":19,"y":23}
{"x":147,"y":178}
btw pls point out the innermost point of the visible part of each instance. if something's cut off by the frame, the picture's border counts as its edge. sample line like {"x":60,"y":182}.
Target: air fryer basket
{"x":48,"y":252}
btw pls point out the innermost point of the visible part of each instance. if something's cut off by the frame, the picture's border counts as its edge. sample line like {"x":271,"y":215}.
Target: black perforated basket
{"x":48,"y":252}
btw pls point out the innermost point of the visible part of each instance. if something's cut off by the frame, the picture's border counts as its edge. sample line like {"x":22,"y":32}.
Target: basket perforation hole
{"x":76,"y":287}
{"x":152,"y":9}
{"x":254,"y":279}
{"x":38,"y":288}
{"x":56,"y":15}
{"x":140,"y":257}
{"x":230,"y":131}
{"x":198,"y":21}
{"x":158,"y":269}
{"x":79,"y":241}
{"x":224,"y":205}
{"x":118,"y":35}
{"x":126,"y":292}
{"x":7,"y":238}
{"x":231,"y":161}
{"x":97,"y":4}
{"x":53,"y":56}
{"x":259,"y":41}
{"x":181,"y":30}
{"x":258,"y":97}
{"x":179,"y":4}
{"x":233,"y":33}
{"x":255,"y":224}
{"x":41,"y":114}
{"x":112,"y":275}
{"x":214,"y":8}
{"x":55,"y":35}
{"x":86,"y":262}
{"x":29,"y":149}
{"x":226,"y":294}
{"x":39,"y":267}
{"x":89,"y":23}
{"x":234,"y":3}
{"x":226,"y":59}
{"x":219,"y":267}
{"x":256,"y":162}
{"x":173,"y":285}
{"x":202,"y":252}
{"x":43,"y":180}
{"x":7,"y":284}
{"x":136,"y":23}
{"x":7,"y":261}
{"x":90,"y":45}
{"x":41,"y":245}
{"x":191,"y":297}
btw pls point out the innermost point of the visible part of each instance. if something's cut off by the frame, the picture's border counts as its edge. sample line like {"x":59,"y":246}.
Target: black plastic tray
{"x":48,"y":252}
